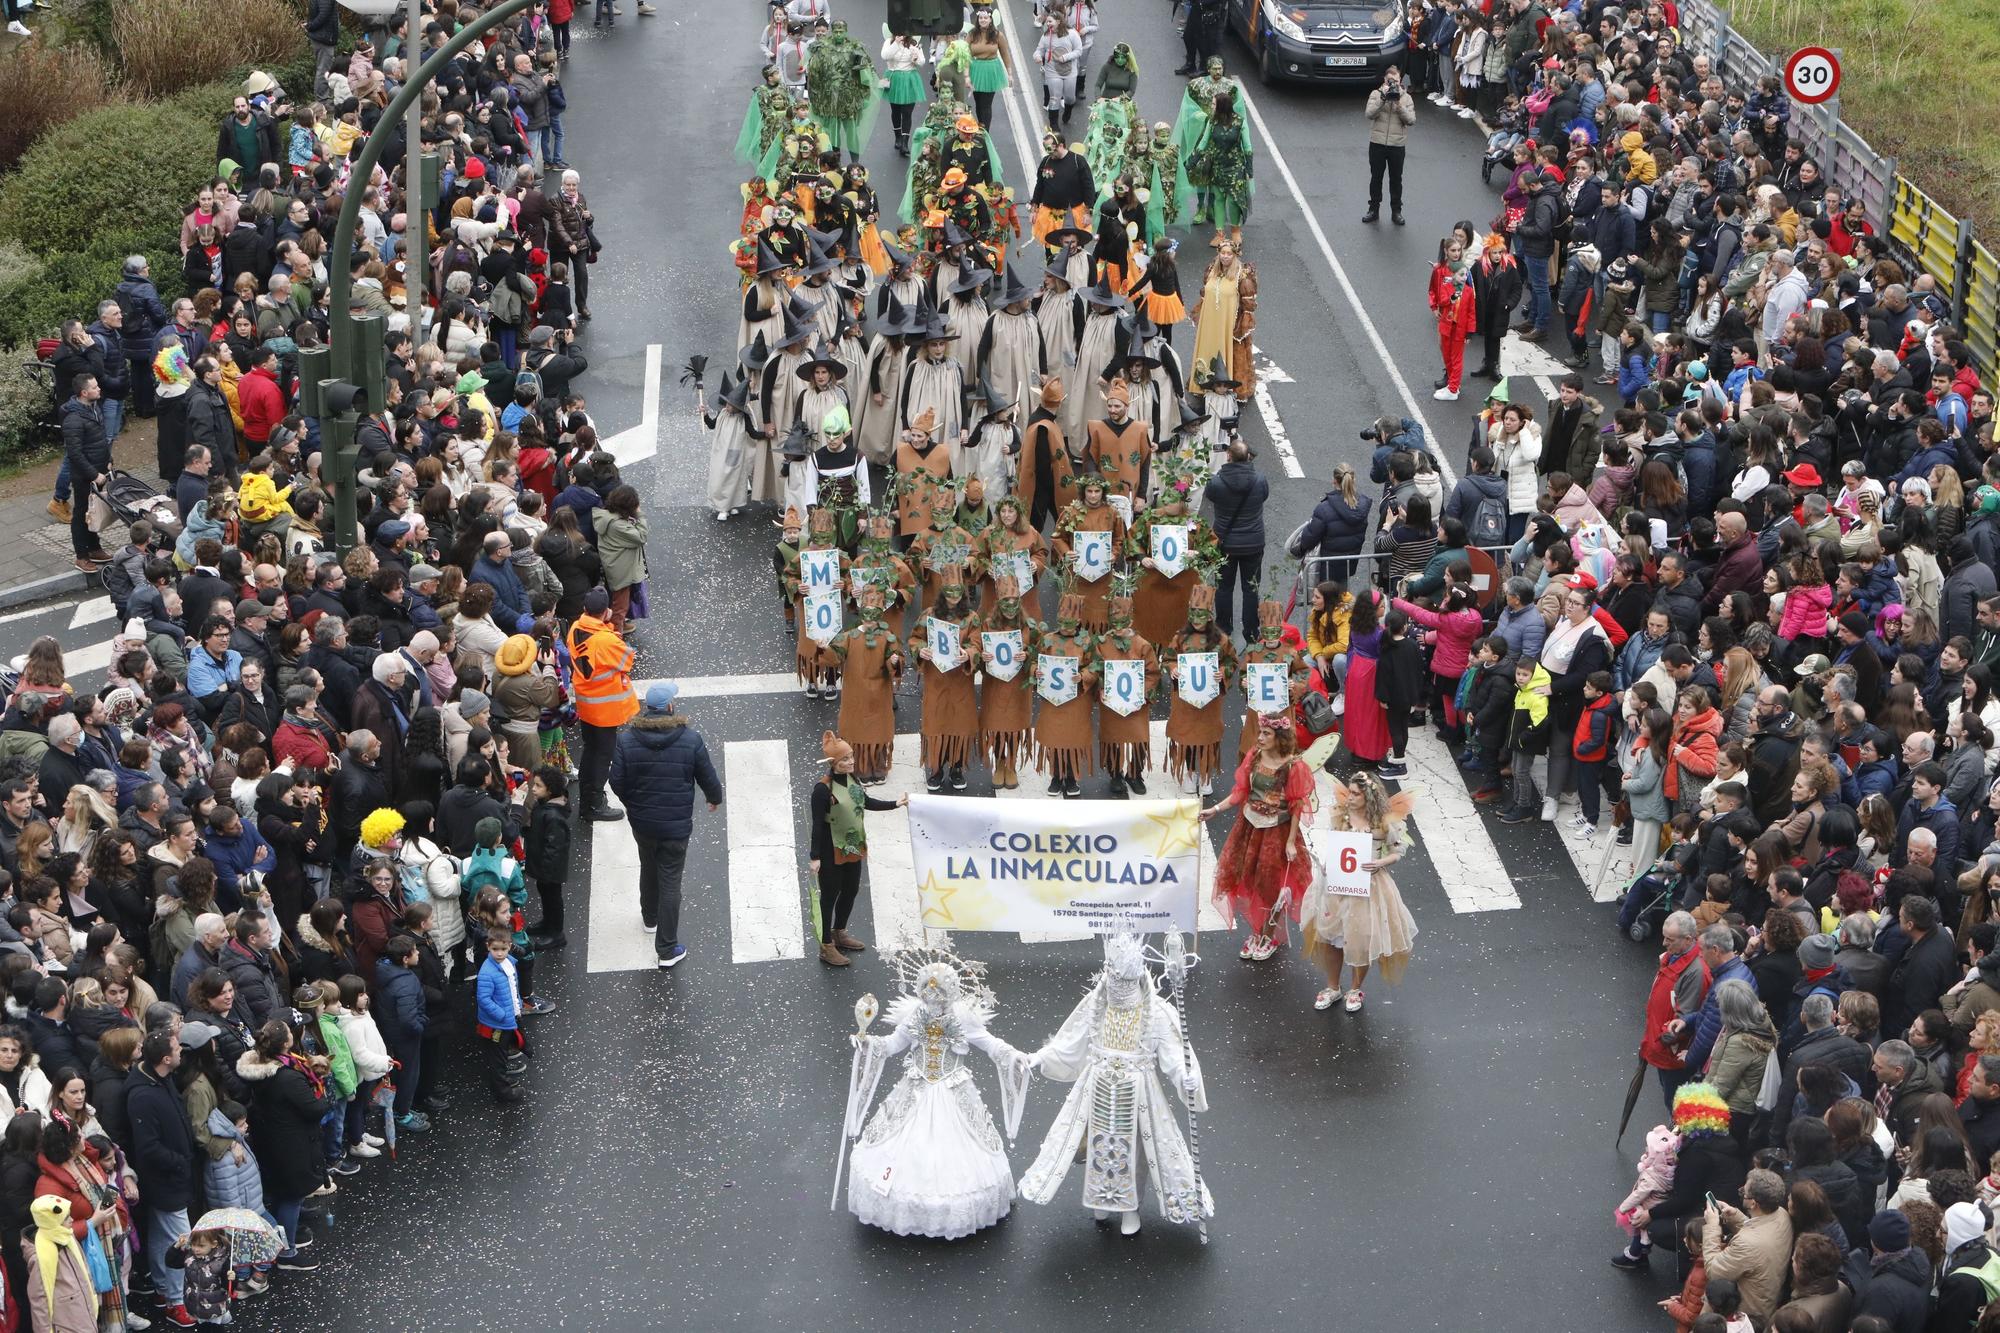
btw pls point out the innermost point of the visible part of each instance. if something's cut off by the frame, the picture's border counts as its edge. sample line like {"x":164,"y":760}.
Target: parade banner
{"x":1267,"y":686}
{"x":1124,"y":685}
{"x":1017,"y":865}
{"x":1056,"y":678}
{"x":1091,"y":555}
{"x":1004,"y":651}
{"x":1200,"y":678}
{"x":947,"y":643}
{"x":1021,"y":564}
{"x":823,"y":615}
{"x":1169,"y":542}
{"x":819,"y":570}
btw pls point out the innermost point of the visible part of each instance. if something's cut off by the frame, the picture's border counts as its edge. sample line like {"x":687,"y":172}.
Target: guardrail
{"x":1935,"y":242}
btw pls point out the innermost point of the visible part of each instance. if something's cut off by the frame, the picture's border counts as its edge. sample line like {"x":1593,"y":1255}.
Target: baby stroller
{"x":131,"y":499}
{"x":1647,"y":905}
{"x":1499,"y":154}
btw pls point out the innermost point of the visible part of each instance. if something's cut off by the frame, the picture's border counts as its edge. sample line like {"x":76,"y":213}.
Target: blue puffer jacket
{"x":1337,"y":527}
{"x":399,"y":1003}
{"x":232,"y":1184}
{"x":659,"y":762}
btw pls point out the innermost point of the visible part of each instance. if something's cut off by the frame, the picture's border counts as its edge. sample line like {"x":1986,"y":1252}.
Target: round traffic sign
{"x":1812,"y":75}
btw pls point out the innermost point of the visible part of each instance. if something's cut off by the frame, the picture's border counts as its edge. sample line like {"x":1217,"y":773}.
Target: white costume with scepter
{"x":929,"y":1162}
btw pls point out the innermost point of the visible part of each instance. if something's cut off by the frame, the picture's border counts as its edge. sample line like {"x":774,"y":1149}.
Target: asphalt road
{"x":1443,"y":1160}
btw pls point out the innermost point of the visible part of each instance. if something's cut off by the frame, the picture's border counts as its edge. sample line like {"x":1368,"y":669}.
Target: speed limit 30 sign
{"x":1812,"y":75}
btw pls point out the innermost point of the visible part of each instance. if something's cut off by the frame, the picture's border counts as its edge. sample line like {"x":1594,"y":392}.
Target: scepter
{"x":865,"y":1010}
{"x":1177,"y":961}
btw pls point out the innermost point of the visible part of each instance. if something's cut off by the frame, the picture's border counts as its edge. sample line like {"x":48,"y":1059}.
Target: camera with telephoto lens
{"x":1371,"y":435}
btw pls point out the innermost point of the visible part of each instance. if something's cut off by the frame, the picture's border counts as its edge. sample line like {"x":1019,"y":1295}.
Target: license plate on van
{"x":1345,"y":62}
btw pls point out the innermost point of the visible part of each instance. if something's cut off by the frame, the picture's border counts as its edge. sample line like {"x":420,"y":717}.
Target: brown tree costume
{"x":1271,"y":648}
{"x":1044,"y":457}
{"x":878,"y":560}
{"x":930,"y":554}
{"x":1002,"y":539}
{"x":1161,"y":603}
{"x":1083,"y":516}
{"x":1194,"y":735}
{"x":1125,"y":742}
{"x":950,"y":727}
{"x":921,"y":465}
{"x":1063,"y":746}
{"x":807,"y":659}
{"x":1121,"y":447}
{"x":869,"y":660}
{"x":1006,"y":707}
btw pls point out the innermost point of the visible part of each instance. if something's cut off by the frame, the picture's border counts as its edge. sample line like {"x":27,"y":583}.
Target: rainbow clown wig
{"x":380,"y":826}
{"x":1699,"y":1109}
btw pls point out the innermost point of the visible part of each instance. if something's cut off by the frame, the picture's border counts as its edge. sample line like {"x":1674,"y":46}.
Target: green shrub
{"x":70,"y":286}
{"x":87,"y":23}
{"x":140,"y":165}
{"x":167,"y":45}
{"x":23,"y":401}
{"x":28,"y":75}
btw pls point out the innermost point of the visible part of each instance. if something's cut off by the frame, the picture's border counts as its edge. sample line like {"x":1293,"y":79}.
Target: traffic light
{"x":926,"y":18}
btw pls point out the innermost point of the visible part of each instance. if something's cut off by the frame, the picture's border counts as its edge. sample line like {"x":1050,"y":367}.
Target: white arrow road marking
{"x":642,"y":441}
{"x":1268,"y":373}
{"x":92,"y":611}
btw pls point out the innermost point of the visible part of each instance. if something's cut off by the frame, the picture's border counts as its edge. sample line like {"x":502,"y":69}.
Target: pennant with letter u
{"x":1200,"y":678}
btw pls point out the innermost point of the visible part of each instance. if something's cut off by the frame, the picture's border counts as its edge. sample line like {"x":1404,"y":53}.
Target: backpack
{"x":439,"y":876}
{"x":129,"y":309}
{"x":1489,"y":521}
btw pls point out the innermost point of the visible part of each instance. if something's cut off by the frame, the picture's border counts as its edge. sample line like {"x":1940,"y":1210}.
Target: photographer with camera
{"x":1391,"y":111}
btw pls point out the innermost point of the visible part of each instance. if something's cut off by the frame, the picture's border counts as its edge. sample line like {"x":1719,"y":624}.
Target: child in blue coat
{"x":236,"y":1181}
{"x":499,"y":1026}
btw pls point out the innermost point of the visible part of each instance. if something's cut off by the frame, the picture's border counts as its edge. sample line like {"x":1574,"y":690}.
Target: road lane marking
{"x":1453,"y":832}
{"x":31,"y":612}
{"x":92,"y":611}
{"x":1268,"y":373}
{"x":1354,"y":301}
{"x":763,"y":854}
{"x":642,"y":441}
{"x":892,"y":861}
{"x":619,"y":941}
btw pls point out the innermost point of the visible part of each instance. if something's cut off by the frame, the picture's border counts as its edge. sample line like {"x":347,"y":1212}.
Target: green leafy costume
{"x":841,"y":79}
{"x":764,"y":123}
{"x":1166,"y":177}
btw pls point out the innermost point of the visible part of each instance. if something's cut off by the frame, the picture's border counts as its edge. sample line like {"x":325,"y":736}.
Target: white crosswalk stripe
{"x":764,"y":916}
{"x":619,"y":940}
{"x":1452,"y":832}
{"x":91,"y":612}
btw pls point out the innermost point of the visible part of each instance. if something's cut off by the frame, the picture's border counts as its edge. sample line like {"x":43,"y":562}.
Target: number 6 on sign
{"x":1342,"y":855}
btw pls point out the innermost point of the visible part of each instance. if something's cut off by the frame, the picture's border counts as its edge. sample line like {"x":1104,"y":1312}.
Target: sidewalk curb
{"x":35,"y":590}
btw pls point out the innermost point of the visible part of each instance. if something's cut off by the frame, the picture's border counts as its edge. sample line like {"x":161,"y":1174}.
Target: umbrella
{"x":1631,"y":1099}
{"x":251,"y":1239}
{"x":385,"y":1097}
{"x":815,"y":908}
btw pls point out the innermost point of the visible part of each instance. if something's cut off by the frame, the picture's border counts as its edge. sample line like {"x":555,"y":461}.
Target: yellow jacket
{"x":259,"y":500}
{"x":1326,"y":631}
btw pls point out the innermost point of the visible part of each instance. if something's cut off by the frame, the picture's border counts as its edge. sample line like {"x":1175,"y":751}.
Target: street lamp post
{"x":350,"y":378}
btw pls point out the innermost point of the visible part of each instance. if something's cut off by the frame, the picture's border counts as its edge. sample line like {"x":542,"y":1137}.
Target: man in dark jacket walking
{"x":658,"y":763}
{"x":1237,"y":494}
{"x":87,"y":451}
{"x":163,"y":1153}
{"x":1890,"y":1278}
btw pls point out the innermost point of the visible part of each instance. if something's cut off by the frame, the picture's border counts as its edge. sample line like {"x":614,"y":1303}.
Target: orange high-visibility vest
{"x":603,"y":678}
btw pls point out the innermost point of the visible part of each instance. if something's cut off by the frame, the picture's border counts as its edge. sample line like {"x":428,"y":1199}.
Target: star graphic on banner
{"x":1177,"y":829}
{"x":937,"y":901}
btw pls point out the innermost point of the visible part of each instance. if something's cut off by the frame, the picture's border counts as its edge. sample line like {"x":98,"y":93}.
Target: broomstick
{"x":691,"y":374}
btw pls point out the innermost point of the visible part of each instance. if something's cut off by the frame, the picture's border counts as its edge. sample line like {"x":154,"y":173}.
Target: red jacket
{"x":263,"y":405}
{"x":1589,"y":748}
{"x":305,"y":747}
{"x":1660,"y":1009}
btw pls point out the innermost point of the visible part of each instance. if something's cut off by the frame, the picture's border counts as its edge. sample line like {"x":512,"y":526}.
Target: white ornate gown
{"x":930,"y":1161}
{"x":1115,"y":1049}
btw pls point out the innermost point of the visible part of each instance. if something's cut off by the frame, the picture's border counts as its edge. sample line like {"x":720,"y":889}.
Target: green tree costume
{"x":841,"y":81}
